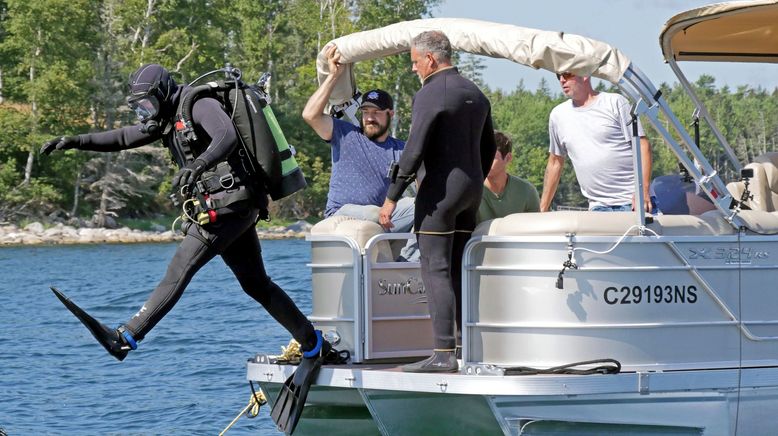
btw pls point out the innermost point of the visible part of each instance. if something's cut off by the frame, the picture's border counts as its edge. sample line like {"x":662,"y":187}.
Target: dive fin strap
{"x":128,"y":337}
{"x":317,"y":348}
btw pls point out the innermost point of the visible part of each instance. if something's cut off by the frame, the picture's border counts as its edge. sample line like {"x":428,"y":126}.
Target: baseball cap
{"x":378,"y":99}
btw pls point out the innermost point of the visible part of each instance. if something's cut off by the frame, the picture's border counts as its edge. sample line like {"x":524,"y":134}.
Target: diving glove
{"x":189,"y":174}
{"x":61,"y":143}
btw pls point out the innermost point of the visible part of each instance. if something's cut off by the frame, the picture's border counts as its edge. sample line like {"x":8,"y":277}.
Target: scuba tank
{"x":270,"y":159}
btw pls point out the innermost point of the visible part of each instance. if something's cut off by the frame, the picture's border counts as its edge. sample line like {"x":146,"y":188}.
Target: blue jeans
{"x":619,"y":208}
{"x":402,"y":217}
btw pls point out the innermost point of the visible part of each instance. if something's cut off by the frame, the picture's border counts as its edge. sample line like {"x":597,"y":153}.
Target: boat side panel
{"x":397,"y":321}
{"x":759,"y":284}
{"x":650,"y":303}
{"x":329,"y":410}
{"x":758,"y":411}
{"x":634,"y":348}
{"x":334,"y":291}
{"x":711,"y":414}
{"x":419,"y":413}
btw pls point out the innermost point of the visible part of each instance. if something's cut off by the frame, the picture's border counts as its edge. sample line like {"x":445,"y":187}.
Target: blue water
{"x":187,"y":377}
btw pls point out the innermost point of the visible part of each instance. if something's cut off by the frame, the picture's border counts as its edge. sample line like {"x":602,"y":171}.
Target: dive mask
{"x":146,"y":107}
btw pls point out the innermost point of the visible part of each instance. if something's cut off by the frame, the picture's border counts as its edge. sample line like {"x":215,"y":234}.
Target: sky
{"x":633,"y":26}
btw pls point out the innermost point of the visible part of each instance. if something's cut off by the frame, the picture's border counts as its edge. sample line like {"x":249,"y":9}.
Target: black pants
{"x":235,"y":239}
{"x":446,"y":209}
{"x":441,"y":271}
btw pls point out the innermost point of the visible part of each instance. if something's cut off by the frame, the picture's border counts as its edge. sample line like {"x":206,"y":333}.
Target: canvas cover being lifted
{"x":539,"y":49}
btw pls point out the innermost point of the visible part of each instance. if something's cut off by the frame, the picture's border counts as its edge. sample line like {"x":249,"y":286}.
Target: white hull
{"x":677,"y":402}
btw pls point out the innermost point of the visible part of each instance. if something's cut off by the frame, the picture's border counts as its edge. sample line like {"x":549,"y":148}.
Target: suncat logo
{"x":372,"y":96}
{"x":412,"y":286}
{"x":743,"y":256}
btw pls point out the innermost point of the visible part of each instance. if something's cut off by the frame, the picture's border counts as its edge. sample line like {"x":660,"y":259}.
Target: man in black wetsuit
{"x":214,"y":158}
{"x":452,"y":144}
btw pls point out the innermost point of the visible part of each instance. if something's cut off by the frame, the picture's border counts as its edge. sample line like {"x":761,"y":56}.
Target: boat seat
{"x":558,"y":223}
{"x":764,"y":184}
{"x":586,"y":223}
{"x":359,"y":231}
{"x":760,"y":221}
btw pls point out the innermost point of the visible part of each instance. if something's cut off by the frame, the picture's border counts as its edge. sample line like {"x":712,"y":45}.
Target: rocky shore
{"x":60,"y":234}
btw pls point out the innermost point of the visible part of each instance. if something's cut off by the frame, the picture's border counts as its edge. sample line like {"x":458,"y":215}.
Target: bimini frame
{"x":723,"y":32}
{"x":551,"y":51}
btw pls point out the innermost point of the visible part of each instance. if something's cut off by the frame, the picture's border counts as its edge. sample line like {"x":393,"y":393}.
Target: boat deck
{"x":381,"y":399}
{"x":389,"y":376}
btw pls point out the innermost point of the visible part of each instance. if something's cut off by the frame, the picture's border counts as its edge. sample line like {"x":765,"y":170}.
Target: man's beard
{"x":375,"y":134}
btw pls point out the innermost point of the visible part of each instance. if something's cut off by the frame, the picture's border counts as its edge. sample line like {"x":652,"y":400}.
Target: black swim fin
{"x":288,"y":407}
{"x":111,"y":339}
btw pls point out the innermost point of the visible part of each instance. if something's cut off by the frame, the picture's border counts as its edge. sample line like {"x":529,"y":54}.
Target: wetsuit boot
{"x":118,"y":342}
{"x":440,"y":361}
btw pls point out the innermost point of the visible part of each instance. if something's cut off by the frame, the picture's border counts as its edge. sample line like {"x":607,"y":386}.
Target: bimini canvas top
{"x":552,"y":51}
{"x":724,"y":32}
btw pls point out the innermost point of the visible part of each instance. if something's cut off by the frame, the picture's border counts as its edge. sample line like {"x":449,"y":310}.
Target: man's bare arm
{"x":551,"y":180}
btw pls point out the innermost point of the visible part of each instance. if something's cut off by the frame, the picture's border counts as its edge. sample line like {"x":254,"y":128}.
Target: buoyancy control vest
{"x":265,"y":153}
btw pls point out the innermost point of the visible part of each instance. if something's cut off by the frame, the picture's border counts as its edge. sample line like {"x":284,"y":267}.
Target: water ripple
{"x":189,"y":377}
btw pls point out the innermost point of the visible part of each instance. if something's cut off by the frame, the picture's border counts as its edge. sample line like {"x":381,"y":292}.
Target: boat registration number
{"x":650,"y":294}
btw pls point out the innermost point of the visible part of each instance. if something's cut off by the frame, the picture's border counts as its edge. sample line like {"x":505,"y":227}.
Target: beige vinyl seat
{"x":764,"y":184}
{"x":586,"y":223}
{"x":358,"y":230}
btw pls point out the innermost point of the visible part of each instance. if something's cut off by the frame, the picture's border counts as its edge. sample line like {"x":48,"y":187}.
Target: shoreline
{"x":61,"y":234}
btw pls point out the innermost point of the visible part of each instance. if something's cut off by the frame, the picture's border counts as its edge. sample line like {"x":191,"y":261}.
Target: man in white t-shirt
{"x":594,"y":129}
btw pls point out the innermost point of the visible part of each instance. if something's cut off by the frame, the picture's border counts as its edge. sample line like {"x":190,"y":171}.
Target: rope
{"x":607,"y":366}
{"x":251,"y":410}
{"x":291,"y":354}
{"x":571,"y":250}
{"x":617,"y":242}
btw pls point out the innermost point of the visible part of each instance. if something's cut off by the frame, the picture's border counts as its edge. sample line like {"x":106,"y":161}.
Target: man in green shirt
{"x":505,"y":194}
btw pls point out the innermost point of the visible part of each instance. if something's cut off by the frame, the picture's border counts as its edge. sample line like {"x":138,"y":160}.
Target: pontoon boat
{"x":682,"y":305}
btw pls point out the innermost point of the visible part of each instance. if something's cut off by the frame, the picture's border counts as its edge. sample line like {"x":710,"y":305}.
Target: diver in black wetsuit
{"x":452,"y":143}
{"x":213,"y":160}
